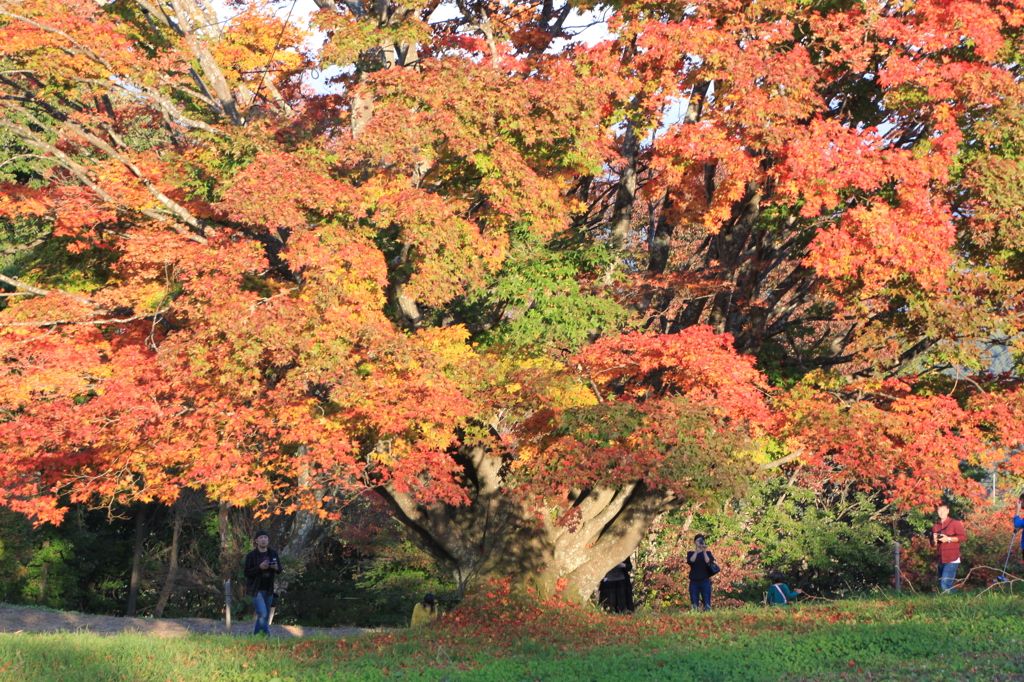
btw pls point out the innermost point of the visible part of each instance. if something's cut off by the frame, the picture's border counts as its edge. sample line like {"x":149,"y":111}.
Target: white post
{"x":227,"y":604}
{"x":898,"y":576}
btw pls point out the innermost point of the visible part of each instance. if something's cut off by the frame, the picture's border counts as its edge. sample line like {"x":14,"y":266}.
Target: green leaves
{"x":542,"y":300}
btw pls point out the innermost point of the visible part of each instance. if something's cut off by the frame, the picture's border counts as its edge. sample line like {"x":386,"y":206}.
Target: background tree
{"x":488,"y":277}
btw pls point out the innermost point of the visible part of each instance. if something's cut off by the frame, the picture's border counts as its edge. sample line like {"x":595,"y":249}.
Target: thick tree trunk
{"x":729,"y":248}
{"x":215,"y":80}
{"x":625,"y":195}
{"x":566,"y":545}
{"x":172,"y":569}
{"x":136,"y":579}
{"x":304,"y":531}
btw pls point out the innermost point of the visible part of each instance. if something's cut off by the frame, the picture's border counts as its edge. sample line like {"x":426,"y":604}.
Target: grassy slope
{"x":969,"y":638}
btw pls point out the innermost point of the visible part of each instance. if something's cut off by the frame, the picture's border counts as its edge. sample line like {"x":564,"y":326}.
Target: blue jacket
{"x":1018,"y":523}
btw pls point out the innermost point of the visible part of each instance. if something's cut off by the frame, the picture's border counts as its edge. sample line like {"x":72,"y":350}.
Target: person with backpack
{"x":779,"y":593}
{"x":701,"y":562}
{"x":261,"y":565}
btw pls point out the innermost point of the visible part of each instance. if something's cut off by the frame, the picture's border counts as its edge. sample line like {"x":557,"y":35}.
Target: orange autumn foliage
{"x":483,"y":262}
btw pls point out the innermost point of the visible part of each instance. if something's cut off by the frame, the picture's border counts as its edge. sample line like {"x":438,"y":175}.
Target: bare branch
{"x":63,"y":323}
{"x":177,"y":209}
{"x":17,"y":283}
{"x":780,"y":461}
{"x":163,"y":103}
{"x":25,"y":286}
{"x":209,"y":65}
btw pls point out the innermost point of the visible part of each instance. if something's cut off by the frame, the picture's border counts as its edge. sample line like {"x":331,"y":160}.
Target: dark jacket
{"x":698,"y":567}
{"x":254,"y":574}
{"x":619,"y":572}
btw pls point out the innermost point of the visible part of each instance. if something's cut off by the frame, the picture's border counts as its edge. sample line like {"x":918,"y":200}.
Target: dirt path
{"x":17,"y":619}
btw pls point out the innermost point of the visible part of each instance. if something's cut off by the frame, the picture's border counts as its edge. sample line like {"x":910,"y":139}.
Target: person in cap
{"x":261,"y":565}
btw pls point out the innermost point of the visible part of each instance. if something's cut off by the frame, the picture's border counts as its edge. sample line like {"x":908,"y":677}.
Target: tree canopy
{"x":534,"y":291}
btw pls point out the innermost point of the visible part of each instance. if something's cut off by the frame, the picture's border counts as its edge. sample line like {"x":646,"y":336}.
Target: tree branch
{"x":106,"y":148}
{"x":780,"y":461}
{"x":38,"y":291}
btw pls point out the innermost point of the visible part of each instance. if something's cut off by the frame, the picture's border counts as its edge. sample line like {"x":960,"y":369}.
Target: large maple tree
{"x":533,"y":291}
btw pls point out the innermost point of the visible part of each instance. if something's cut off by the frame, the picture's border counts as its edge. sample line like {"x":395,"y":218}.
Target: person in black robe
{"x":615,"y":593}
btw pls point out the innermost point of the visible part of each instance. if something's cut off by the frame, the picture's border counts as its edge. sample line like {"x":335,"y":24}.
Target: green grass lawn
{"x":922,"y":638}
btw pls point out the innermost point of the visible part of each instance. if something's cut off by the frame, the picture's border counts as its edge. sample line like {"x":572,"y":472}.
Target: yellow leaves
{"x":390,"y":451}
{"x":248,"y":46}
{"x":434,"y":437}
{"x":448,"y":345}
{"x":343,"y":285}
{"x":57,"y":366}
{"x":139,"y":294}
{"x":328,"y":426}
{"x":343,"y":292}
{"x":525,"y":454}
{"x":766,"y":449}
{"x":543,"y":379}
{"x":448,"y":251}
{"x":87,"y":68}
{"x":571,"y":394}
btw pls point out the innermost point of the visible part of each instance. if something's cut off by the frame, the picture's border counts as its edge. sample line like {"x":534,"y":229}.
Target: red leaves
{"x":941,"y":24}
{"x":880,"y":245}
{"x":679,"y":412}
{"x":272,"y":352}
{"x":298,"y":189}
{"x":696,"y":363}
{"x":86,"y":414}
{"x":1001,"y":414}
{"x":911,"y":446}
{"x":767,"y":125}
{"x":448,"y":251}
{"x":57,"y":38}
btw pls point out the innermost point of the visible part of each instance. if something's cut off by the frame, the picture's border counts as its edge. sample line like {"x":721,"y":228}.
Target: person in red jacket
{"x":946,"y":537}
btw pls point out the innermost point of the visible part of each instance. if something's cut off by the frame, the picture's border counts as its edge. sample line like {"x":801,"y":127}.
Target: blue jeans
{"x":701,"y":589}
{"x":261,"y":602}
{"x":947,"y":572}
